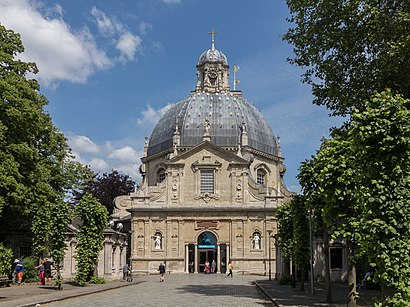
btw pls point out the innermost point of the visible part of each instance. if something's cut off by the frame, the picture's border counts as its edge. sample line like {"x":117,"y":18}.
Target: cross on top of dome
{"x":213,"y":38}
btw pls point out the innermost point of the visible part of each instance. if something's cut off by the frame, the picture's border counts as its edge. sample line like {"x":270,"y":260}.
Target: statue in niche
{"x":157,"y":241}
{"x":256,"y":241}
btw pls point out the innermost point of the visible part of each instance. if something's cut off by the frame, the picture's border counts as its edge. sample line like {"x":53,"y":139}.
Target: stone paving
{"x":178,"y":290}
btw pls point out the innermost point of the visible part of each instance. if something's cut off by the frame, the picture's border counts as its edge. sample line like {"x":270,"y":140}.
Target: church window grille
{"x":207,"y":181}
{"x":260,"y":177}
{"x":161,"y":176}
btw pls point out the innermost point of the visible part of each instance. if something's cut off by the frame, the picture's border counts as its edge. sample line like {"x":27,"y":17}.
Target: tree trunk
{"x":329,"y":297}
{"x":302,"y":281}
{"x":351,"y":277}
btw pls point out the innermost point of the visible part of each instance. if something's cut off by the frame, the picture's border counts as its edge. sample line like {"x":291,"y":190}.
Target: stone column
{"x":196,"y":258}
{"x":218,"y":252}
{"x":228,"y":254}
{"x":186,"y":258}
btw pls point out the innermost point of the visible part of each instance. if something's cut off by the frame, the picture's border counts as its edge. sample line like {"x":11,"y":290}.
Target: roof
{"x":228,"y":115}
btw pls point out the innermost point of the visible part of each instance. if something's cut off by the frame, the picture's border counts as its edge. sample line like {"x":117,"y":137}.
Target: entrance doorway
{"x":207,"y":251}
{"x":204,"y":256}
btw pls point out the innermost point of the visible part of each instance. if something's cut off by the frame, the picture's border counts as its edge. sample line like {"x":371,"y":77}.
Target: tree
{"x":349,"y":55}
{"x":107,"y":187}
{"x":90,"y":237}
{"x":293,"y":234}
{"x":309,"y":181}
{"x":36,"y":165}
{"x":380,"y":136}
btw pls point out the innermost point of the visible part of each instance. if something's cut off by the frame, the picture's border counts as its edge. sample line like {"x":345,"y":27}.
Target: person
{"x":366,"y":279}
{"x":161,"y":270}
{"x":256,"y":241}
{"x":230,"y":268}
{"x":125,"y":272}
{"x":40,"y":269}
{"x":207,"y":268}
{"x":213,"y":267}
{"x":19,"y":271}
{"x":14,"y":274}
{"x":47,"y":270}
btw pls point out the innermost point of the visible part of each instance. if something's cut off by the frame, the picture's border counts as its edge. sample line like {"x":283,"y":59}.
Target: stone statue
{"x":157,"y":242}
{"x":256,"y":241}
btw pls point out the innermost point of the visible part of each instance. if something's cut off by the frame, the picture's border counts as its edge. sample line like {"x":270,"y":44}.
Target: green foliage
{"x":363,"y":178}
{"x":348,"y":55}
{"x":293,"y":232}
{"x":285,"y":230}
{"x":285,"y":279}
{"x":97,"y":280}
{"x":6,"y":258}
{"x":90,"y":236}
{"x":36,"y":166}
{"x":30,"y":270}
{"x":380,"y":136}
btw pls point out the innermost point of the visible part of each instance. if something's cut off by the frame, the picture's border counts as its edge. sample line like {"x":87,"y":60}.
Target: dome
{"x":228,"y":115}
{"x":212,"y":56}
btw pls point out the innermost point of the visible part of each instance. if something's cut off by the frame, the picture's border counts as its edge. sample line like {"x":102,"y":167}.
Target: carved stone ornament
{"x":207,"y":197}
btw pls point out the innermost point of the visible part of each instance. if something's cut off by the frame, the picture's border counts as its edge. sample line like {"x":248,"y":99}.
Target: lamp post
{"x":270,"y":271}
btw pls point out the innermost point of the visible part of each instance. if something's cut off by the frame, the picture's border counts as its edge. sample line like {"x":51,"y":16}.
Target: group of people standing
{"x":45,"y":271}
{"x":210,"y":268}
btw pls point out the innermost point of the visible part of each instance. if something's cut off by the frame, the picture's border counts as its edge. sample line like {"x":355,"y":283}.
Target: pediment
{"x":207,"y":146}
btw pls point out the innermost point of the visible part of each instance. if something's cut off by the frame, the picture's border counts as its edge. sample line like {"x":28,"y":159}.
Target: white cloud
{"x":108,"y":156}
{"x":128,"y":44}
{"x":99,"y":165}
{"x":105,"y":25}
{"x":144,"y":27}
{"x":61,"y":53}
{"x":152,"y":116}
{"x":81,"y":144}
{"x":125,"y":154}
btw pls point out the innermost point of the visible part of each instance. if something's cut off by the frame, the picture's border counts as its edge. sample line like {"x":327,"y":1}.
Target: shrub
{"x":30,"y":271}
{"x":6,"y":258}
{"x":285,"y":279}
{"x":97,"y":280}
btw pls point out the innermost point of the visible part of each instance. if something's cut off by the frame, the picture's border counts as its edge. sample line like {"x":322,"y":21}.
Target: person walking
{"x":19,"y":271}
{"x":161,"y":270}
{"x":125,"y":272}
{"x":230,"y":268}
{"x":47,"y":270}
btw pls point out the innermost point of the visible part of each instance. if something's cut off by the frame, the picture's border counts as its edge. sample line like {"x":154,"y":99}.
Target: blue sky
{"x":110,"y":69}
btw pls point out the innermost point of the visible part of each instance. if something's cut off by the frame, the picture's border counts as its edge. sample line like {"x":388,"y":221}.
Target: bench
{"x":4,"y":279}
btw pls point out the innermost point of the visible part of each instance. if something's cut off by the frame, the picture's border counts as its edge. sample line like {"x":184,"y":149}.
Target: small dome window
{"x":161,"y":175}
{"x":261,"y":176}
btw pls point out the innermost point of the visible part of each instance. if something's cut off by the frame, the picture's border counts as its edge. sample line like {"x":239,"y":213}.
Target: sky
{"x":110,"y":69}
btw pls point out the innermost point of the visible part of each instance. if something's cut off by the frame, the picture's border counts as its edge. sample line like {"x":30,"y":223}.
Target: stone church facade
{"x":212,"y":181}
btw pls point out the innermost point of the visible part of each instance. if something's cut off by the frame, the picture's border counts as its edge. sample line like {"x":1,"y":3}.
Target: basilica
{"x":212,"y":181}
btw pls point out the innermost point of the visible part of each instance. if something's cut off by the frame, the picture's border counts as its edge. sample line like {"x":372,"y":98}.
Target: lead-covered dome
{"x":212,"y":55}
{"x":227,"y":114}
{"x":212,"y":109}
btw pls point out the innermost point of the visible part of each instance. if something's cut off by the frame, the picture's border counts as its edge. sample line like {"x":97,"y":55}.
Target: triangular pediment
{"x":211,"y":147}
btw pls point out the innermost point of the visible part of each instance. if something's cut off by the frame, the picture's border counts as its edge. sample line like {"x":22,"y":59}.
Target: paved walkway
{"x":179,"y":290}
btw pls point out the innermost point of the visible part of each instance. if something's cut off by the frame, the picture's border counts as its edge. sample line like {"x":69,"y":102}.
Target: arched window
{"x":161,"y":175}
{"x":261,"y":176}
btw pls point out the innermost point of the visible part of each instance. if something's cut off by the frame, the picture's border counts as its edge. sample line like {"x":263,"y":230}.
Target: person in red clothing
{"x":40,"y":269}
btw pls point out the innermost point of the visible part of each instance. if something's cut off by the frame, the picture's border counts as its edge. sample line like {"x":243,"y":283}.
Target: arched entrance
{"x":207,"y":249}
